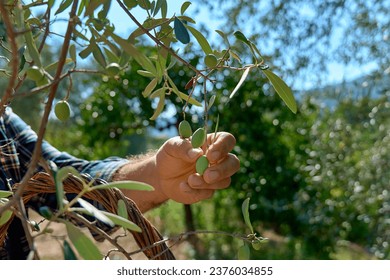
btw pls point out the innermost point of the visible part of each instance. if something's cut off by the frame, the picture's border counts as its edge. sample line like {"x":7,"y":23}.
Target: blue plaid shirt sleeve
{"x":24,"y":139}
{"x":17,"y":142}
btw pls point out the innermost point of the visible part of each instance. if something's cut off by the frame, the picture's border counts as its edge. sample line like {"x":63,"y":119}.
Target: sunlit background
{"x":318,"y":181}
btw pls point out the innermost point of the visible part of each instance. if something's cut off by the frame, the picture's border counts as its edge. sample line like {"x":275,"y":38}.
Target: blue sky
{"x":337,"y":71}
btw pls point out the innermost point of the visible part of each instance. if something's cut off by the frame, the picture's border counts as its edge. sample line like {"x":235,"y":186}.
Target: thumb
{"x":181,"y":148}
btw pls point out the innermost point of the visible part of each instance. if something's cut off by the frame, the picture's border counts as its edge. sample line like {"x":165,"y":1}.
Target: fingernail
{"x":213,"y":175}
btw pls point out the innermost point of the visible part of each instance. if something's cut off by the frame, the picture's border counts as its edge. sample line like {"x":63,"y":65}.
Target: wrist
{"x":142,"y":170}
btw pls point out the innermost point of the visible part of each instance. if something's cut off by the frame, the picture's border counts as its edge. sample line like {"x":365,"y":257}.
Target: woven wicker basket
{"x":42,"y":183}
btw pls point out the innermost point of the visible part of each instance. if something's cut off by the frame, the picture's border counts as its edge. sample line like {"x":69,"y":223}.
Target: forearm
{"x":143,"y":170}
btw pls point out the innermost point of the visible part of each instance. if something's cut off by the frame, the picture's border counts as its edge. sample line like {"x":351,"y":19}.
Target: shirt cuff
{"x":106,"y":168}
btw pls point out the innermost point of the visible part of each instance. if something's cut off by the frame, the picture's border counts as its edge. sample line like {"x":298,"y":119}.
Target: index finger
{"x":219,"y":147}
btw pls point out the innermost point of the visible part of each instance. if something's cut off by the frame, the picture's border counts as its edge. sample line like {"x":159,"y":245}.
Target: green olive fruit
{"x":62,"y":110}
{"x":211,"y":61}
{"x":185,"y":130}
{"x":113,"y":69}
{"x":201,"y":164}
{"x":35,"y":73}
{"x":45,"y":212}
{"x":243,"y":252}
{"x":198,"y":138}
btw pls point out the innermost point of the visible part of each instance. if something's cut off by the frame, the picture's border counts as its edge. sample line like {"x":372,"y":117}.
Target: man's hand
{"x":171,"y":171}
{"x":175,"y":164}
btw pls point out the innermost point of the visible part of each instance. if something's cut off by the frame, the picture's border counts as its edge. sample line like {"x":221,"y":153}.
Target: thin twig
{"x":180,"y":236}
{"x":9,"y":91}
{"x":37,"y":153}
{"x":158,"y":42}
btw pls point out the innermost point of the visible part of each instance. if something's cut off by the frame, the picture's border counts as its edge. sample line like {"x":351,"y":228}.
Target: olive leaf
{"x":282,"y":90}
{"x":159,"y":108}
{"x":128,"y":185}
{"x":243,"y":77}
{"x":224,"y":37}
{"x":84,"y":245}
{"x":245,"y":213}
{"x":185,"y":6}
{"x":69,"y":254}
{"x":150,"y":87}
{"x":63,"y":6}
{"x":122,"y":211}
{"x":211,"y":102}
{"x":4,"y":218}
{"x":181,"y":31}
{"x":4,"y":194}
{"x":243,"y":252}
{"x":204,"y":44}
{"x":31,"y":47}
{"x":59,"y":176}
{"x":122,"y":222}
{"x":93,"y":211}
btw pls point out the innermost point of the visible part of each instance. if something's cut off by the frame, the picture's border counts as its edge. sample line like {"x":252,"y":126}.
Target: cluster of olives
{"x":198,"y":138}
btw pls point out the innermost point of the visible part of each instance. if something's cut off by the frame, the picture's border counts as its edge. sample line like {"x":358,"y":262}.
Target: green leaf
{"x":4,"y":218}
{"x":139,"y":56}
{"x":84,"y":245}
{"x":159,"y":108}
{"x":235,"y":55}
{"x":112,"y":57}
{"x":68,"y":251}
{"x":164,"y":9}
{"x":182,"y":95}
{"x":21,"y":51}
{"x":120,"y":221}
{"x":31,"y":47}
{"x":158,"y":92}
{"x":93,"y":211}
{"x":211,"y":102}
{"x":185,"y":6}
{"x":158,"y":6}
{"x":72,"y":52}
{"x":144,"y":4}
{"x":181,"y":31}
{"x":63,"y":6}
{"x":146,"y":74}
{"x":243,"y":252}
{"x":127,"y":185}
{"x":224,"y":36}
{"x":4,"y":194}
{"x":150,"y":87}
{"x":99,"y":56}
{"x":189,"y":99}
{"x":240,"y":36}
{"x":59,"y":177}
{"x":204,"y":44}
{"x":256,"y":245}
{"x":245,"y":213}
{"x":92,"y":6}
{"x":282,"y":90}
{"x":240,"y":82}
{"x":130,"y":3}
{"x":53,"y":66}
{"x":122,"y":210}
{"x":86,"y":52}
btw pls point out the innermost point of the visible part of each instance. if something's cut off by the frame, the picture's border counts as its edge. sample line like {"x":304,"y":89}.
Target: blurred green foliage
{"x":317,"y":180}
